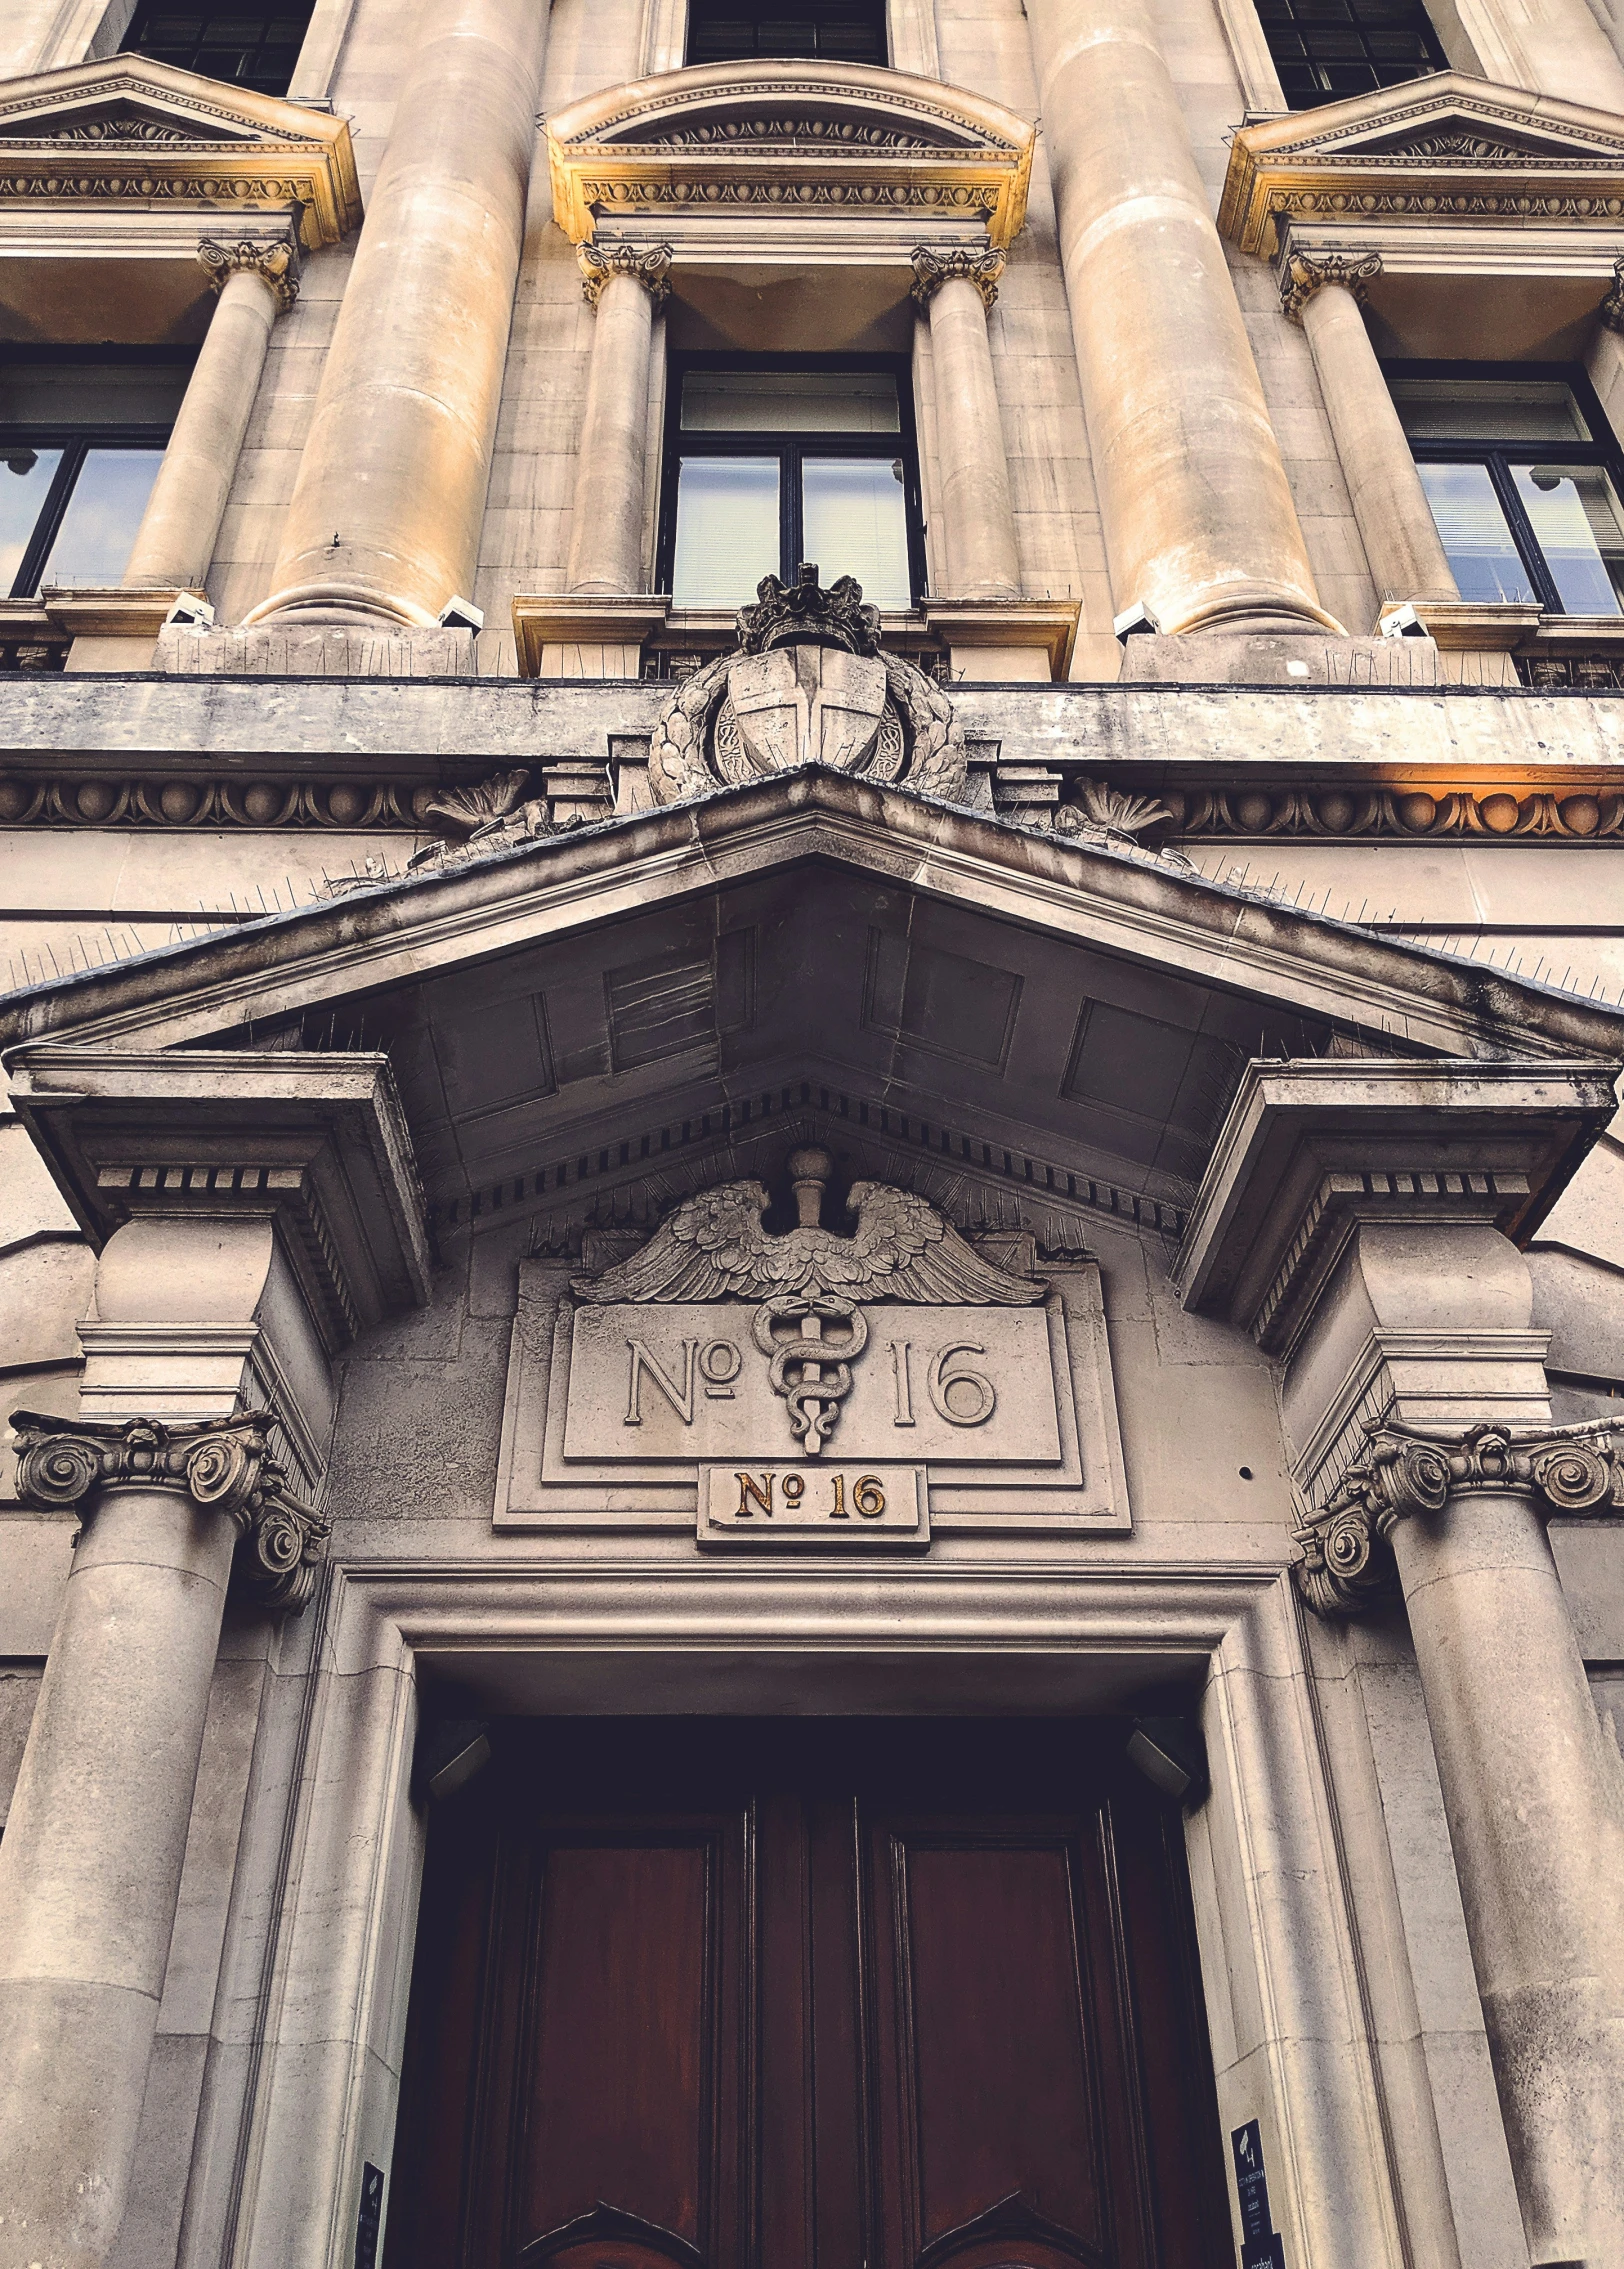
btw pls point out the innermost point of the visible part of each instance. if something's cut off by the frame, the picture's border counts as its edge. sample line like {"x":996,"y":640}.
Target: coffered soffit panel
{"x":774,"y":142}
{"x":811,"y":944}
{"x":140,"y":141}
{"x":1443,"y":152}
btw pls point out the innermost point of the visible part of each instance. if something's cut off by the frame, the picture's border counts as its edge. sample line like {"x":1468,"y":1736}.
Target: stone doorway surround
{"x":1314,"y":2033}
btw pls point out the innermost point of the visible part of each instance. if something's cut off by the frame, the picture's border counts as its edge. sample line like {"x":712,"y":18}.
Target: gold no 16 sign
{"x":811,"y":1502}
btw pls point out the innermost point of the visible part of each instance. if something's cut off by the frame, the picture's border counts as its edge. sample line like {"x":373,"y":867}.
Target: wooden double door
{"x":806,"y":1994}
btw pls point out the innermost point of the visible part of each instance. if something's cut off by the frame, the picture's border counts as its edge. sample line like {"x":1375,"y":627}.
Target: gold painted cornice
{"x":133,"y":134}
{"x":1446,"y":149}
{"x":776,"y":138}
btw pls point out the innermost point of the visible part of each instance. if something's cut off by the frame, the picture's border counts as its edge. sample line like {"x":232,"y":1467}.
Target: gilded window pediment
{"x":1446,"y":149}
{"x":134,"y":135}
{"x":782,"y":137}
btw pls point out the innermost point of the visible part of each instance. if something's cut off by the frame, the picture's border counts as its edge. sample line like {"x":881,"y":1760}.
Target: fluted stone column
{"x":1402,"y":544}
{"x":175,"y":541}
{"x":1534,"y":1801}
{"x":90,"y":1864}
{"x":1199,"y":520}
{"x":624,"y":284}
{"x":957,"y":288}
{"x":385,"y":516}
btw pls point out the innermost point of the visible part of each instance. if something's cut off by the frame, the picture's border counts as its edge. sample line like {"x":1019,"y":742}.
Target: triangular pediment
{"x":830,"y":139}
{"x":138,"y":121}
{"x":1396,"y":150}
{"x":617,"y":1002}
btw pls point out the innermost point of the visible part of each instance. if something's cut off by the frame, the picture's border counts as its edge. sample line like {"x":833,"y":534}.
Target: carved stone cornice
{"x":935,"y":265}
{"x":223,"y":1465}
{"x":276,"y":264}
{"x":1347,"y":1563}
{"x":1307,"y":273}
{"x":648,"y":265}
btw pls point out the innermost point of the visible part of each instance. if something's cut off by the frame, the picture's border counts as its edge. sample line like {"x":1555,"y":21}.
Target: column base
{"x":1243,"y":658}
{"x":298,"y":648}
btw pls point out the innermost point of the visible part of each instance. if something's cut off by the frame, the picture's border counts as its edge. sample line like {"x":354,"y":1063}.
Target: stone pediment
{"x":571,"y":1014}
{"x":1445,"y":149}
{"x":784,"y":137}
{"x":130,"y":134}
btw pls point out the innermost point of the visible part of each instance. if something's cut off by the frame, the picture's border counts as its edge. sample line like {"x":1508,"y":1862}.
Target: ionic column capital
{"x":223,"y":1465}
{"x":935,"y":265}
{"x":277,"y":265}
{"x":648,"y":265}
{"x":1305,"y":273}
{"x":1346,"y":1562}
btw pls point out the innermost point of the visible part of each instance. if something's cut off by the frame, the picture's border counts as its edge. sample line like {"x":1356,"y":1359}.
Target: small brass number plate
{"x":808,"y":1501}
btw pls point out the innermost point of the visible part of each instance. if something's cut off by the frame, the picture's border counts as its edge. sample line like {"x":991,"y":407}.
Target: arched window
{"x":1326,"y":50}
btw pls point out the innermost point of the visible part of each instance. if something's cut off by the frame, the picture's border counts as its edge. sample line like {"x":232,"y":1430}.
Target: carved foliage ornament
{"x":806,"y":685}
{"x":933,"y":267}
{"x":222,"y":1464}
{"x":1307,"y":273}
{"x":809,"y":1282}
{"x":278,"y":264}
{"x":1346,"y":1559}
{"x":648,"y":265}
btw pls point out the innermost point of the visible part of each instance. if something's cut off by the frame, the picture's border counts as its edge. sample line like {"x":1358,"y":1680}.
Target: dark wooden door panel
{"x":987,"y":2080}
{"x":617,"y":2080}
{"x":785,"y":1995}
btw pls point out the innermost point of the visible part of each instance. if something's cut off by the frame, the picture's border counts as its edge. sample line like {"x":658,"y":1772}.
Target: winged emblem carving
{"x":714,"y":1247}
{"x":810,"y":1281}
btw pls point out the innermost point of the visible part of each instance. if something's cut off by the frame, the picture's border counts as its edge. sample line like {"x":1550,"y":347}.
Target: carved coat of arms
{"x":810,"y":1282}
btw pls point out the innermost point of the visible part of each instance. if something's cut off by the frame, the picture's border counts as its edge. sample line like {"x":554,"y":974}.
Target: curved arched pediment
{"x":782,"y":137}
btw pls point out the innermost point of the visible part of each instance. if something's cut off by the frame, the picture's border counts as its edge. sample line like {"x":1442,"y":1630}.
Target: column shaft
{"x":1533,"y":1803}
{"x":1406,"y":554}
{"x":386,"y":509}
{"x":91,"y":1861}
{"x":1199,"y":519}
{"x":606,"y":537}
{"x":175,"y":541}
{"x":982,"y":562}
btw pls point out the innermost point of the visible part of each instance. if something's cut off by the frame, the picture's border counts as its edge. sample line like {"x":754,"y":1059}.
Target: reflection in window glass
{"x":1475,"y":534}
{"x":1575,"y":516}
{"x":93,"y":543}
{"x":25,"y":478}
{"x":790,"y":401}
{"x":727,"y":529}
{"x":856,"y":523}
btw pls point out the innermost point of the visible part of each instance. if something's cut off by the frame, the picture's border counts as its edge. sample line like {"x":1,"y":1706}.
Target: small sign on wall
{"x":369,"y":2217}
{"x":817,"y":1502}
{"x":1261,"y":2247}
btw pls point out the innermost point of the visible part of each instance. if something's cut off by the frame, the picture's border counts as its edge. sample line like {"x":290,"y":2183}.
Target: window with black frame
{"x":769,"y":462}
{"x":1522,"y":477}
{"x":81,"y":439}
{"x":246,"y":46}
{"x":1325,"y":50}
{"x":829,"y":31}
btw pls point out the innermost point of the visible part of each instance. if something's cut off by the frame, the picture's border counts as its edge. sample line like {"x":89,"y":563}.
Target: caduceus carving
{"x":810,"y":1280}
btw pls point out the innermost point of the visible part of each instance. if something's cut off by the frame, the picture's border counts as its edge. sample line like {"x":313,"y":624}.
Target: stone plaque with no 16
{"x":813,"y":1501}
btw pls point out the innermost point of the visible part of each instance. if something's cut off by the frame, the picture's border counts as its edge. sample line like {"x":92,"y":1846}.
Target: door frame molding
{"x":1300,"y":2041}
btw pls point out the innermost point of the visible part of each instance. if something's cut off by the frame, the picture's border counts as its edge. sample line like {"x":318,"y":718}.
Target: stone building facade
{"x":817,"y":1448}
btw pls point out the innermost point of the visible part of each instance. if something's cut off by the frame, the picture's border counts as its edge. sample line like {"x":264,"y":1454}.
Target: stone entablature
{"x":788,"y":142}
